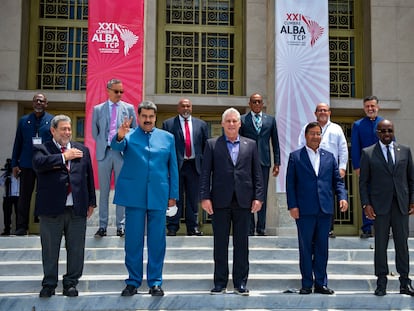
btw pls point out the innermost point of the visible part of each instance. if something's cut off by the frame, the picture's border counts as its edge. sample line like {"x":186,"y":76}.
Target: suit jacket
{"x":23,"y":143}
{"x":53,"y":177}
{"x":101,"y":120}
{"x":311,"y":193}
{"x":149,"y":175}
{"x":267,"y":133}
{"x":377,"y":183}
{"x":199,"y":138}
{"x":243,"y":179}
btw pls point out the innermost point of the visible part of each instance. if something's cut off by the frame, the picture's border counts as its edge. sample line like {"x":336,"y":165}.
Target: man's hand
{"x":294,"y":213}
{"x":411,"y":209}
{"x":207,"y":206}
{"x":90,"y":211}
{"x":124,"y":128}
{"x":16,"y":171}
{"x":72,"y":153}
{"x":275,"y":170}
{"x":369,"y":212}
{"x":342,"y":172}
{"x":343,"y":205}
{"x":256,"y":206}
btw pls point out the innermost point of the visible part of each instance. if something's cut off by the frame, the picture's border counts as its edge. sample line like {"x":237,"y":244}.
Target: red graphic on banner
{"x":115,"y":50}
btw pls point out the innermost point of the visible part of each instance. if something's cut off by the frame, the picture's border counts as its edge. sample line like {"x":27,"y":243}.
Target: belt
{"x":188,"y":160}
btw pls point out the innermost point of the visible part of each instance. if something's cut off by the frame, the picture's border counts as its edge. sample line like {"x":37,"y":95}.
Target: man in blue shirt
{"x":364,"y":134}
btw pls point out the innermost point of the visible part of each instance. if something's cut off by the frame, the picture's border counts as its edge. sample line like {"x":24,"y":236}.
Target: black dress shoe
{"x":407,"y":290}
{"x":261,"y":233}
{"x":156,"y":291}
{"x":70,"y":291}
{"x":195,"y":232}
{"x":129,"y":290}
{"x":305,"y":291}
{"x":218,"y":290}
{"x":120,"y":232}
{"x":46,"y":292}
{"x":20,"y":232}
{"x":380,"y":291}
{"x":100,"y":233}
{"x":171,"y":233}
{"x":241,"y":290}
{"x":323,"y":290}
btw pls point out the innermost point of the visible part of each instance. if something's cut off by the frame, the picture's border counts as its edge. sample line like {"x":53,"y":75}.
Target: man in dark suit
{"x":262,"y":128}
{"x":231,"y":188}
{"x":386,"y":186}
{"x":106,"y":119}
{"x":190,"y":138}
{"x":65,"y":197}
{"x":33,"y":129}
{"x":312,"y":178}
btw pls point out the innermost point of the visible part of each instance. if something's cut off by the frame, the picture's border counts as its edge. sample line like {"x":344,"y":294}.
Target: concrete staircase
{"x":188,"y":274}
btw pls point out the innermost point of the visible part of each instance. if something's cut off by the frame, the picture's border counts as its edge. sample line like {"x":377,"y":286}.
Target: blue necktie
{"x":257,"y":122}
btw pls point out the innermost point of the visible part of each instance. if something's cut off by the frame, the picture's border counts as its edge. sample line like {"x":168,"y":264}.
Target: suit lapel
{"x":306,"y":161}
{"x":378,"y":153}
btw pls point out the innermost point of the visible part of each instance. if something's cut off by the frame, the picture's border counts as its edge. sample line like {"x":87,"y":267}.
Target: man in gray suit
{"x":262,"y":128}
{"x":107,"y":117}
{"x":386,"y":186}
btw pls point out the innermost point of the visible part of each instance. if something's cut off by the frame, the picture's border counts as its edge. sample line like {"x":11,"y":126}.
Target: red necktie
{"x":187,"y":139}
{"x":69,"y":190}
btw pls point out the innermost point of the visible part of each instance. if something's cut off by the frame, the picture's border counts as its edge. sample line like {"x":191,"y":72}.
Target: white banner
{"x":302,"y":70}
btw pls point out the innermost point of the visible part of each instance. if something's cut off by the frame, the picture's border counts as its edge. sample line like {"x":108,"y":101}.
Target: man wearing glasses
{"x":106,"y":119}
{"x":386,"y":187}
{"x":33,"y":129}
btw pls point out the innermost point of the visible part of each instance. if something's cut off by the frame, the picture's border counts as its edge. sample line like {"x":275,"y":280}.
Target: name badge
{"x":37,"y":140}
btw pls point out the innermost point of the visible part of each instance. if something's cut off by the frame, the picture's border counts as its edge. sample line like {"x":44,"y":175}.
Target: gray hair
{"x":60,"y":117}
{"x":112,"y":82}
{"x":230,"y":111}
{"x":147,"y":105}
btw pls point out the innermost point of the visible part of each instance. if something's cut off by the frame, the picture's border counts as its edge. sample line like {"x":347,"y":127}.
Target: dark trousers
{"x":27,"y":182}
{"x":313,"y":232}
{"x":399,"y":224}
{"x":260,"y":226}
{"x":8,"y":204}
{"x":223,"y":219}
{"x":51,"y":231}
{"x":189,"y":187}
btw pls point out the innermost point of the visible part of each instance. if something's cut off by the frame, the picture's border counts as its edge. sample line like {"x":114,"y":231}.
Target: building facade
{"x":370,"y":47}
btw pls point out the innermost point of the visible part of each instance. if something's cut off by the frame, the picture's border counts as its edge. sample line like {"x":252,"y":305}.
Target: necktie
{"x":389,"y":159}
{"x":69,"y":189}
{"x":112,"y":128}
{"x":187,"y":139}
{"x":257,"y":122}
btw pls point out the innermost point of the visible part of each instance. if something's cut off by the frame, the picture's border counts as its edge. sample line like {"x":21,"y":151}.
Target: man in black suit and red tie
{"x":190,"y":138}
{"x":65,"y":198}
{"x":386,"y":187}
{"x":262,"y":128}
{"x":231,"y":188}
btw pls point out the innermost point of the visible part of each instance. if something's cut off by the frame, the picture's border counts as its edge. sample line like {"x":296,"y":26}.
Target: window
{"x":59,"y":37}
{"x":200,"y":47}
{"x":345,"y":46}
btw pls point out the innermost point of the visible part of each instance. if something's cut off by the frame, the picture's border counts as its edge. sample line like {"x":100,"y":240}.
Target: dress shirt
{"x":384,"y":151}
{"x":333,"y":140}
{"x":315,"y":159}
{"x":190,"y":126}
{"x":233,"y":148}
{"x":69,"y":199}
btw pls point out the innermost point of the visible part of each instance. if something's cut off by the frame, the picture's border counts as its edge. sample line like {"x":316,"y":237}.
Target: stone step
{"x":188,"y":277}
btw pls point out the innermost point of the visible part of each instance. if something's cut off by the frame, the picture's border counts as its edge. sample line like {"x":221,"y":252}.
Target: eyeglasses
{"x":383,"y":131}
{"x":38,"y":100}
{"x":117,"y":91}
{"x":256,"y":102}
{"x":322,"y":110}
